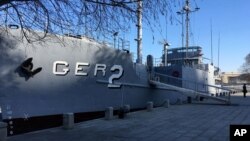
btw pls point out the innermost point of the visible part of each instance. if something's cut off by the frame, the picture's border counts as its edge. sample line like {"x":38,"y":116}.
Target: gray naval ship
{"x":41,"y":81}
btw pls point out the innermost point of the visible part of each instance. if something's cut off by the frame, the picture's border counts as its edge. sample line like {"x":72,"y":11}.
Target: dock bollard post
{"x":123,"y":111}
{"x":150,"y":106}
{"x":167,"y":103}
{"x":3,"y":131}
{"x":68,"y":120}
{"x":127,"y":108}
{"x":109,"y":113}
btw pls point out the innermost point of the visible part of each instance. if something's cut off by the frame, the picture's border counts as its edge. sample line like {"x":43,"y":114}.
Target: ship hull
{"x":70,"y":75}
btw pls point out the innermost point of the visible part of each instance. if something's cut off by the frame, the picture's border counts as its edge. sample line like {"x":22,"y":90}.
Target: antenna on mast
{"x":187,"y":10}
{"x":212,"y":58}
{"x":219,"y":51}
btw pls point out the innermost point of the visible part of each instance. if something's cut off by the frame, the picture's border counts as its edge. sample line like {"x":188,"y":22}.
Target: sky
{"x":227,"y":19}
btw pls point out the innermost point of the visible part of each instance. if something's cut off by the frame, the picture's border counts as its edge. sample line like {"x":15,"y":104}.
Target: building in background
{"x":231,"y":78}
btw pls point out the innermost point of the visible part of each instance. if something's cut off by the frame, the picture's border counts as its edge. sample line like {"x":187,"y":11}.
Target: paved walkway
{"x":188,"y":122}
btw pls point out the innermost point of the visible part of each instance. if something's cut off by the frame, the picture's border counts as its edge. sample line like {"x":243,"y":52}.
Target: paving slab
{"x":203,"y":121}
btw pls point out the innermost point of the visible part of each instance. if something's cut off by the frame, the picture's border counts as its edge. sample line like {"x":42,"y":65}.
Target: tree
{"x":89,"y":17}
{"x":245,"y":69}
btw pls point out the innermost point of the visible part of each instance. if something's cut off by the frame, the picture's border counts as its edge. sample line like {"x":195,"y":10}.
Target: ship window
{"x":13,"y":26}
{"x":170,"y":52}
{"x":181,"y":50}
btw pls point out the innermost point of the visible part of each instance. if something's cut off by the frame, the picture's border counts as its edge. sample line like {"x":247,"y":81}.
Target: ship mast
{"x":186,"y":10}
{"x":139,"y":33}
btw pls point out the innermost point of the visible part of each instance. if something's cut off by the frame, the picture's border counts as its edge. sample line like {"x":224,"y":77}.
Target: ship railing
{"x":210,"y":90}
{"x":157,"y":62}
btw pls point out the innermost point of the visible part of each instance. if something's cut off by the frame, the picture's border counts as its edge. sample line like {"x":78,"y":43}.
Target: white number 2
{"x":115,"y":76}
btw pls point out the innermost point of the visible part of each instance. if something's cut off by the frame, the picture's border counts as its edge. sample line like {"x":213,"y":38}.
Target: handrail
{"x":189,"y":92}
{"x":192,"y":85}
{"x":177,"y":78}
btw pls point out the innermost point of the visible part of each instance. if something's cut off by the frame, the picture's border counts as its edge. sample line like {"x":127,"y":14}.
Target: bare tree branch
{"x":245,"y":69}
{"x":84,"y":17}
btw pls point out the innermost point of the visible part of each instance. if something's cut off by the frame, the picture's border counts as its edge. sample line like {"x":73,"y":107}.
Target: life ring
{"x":175,"y":74}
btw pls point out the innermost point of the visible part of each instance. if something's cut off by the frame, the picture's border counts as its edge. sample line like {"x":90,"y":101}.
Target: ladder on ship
{"x":175,"y":83}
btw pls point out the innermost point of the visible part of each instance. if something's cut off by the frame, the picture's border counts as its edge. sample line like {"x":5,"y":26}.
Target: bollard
{"x":68,"y":120}
{"x":109,"y":112}
{"x":3,"y":131}
{"x":150,"y":106}
{"x":127,"y":108}
{"x":166,"y":104}
{"x":123,"y":111}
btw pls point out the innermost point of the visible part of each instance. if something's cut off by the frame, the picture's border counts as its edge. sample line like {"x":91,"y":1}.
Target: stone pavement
{"x":207,"y":121}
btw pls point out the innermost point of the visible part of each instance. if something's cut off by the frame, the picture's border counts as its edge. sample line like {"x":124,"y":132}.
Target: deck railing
{"x":211,"y":90}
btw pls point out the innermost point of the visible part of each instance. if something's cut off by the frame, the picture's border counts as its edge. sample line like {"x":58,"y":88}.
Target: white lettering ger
{"x":239,"y":132}
{"x":115,"y":76}
{"x":100,"y":67}
{"x":78,"y":68}
{"x":64,"y":70}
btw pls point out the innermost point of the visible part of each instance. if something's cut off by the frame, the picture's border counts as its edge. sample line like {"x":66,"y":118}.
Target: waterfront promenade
{"x":205,"y":121}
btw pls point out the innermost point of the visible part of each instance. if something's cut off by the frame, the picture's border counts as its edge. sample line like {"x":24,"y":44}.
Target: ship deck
{"x":202,"y":121}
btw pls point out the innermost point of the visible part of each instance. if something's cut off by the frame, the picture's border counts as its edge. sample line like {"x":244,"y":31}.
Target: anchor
{"x":27,"y":68}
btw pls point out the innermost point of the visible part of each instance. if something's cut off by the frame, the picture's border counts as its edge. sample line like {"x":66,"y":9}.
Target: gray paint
{"x":49,"y":94}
